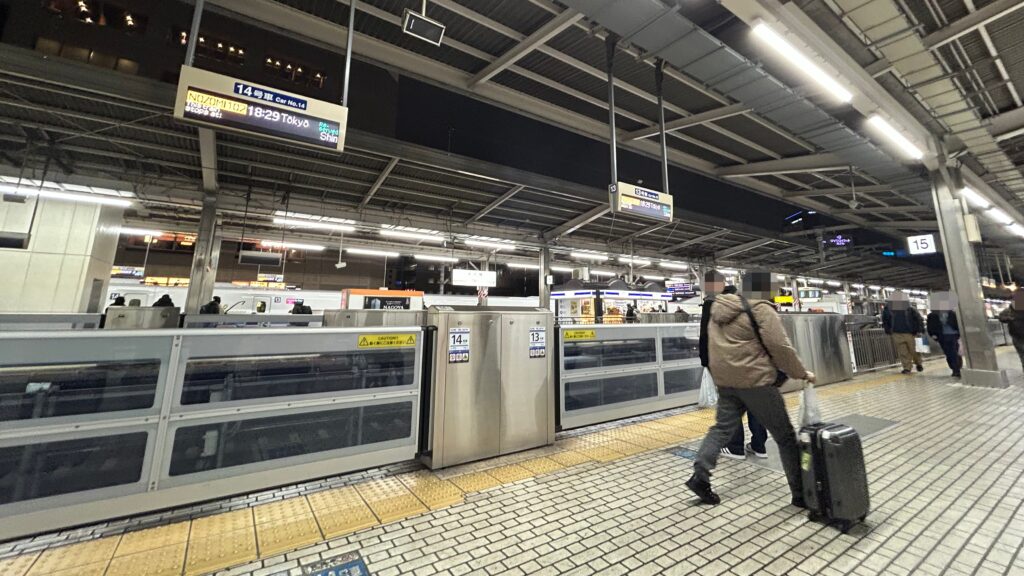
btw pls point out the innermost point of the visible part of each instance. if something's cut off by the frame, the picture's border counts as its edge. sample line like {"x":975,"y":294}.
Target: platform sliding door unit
{"x":610,"y":372}
{"x":105,"y":424}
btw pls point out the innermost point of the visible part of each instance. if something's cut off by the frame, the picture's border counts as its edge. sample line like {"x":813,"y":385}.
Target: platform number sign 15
{"x":923,"y":244}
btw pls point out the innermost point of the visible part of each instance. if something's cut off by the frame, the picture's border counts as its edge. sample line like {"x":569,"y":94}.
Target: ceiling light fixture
{"x":422,"y":236}
{"x":48,"y":192}
{"x":292,"y":245}
{"x":369,"y":252}
{"x":596,"y":257}
{"x":1016,"y":229}
{"x":561,"y":269}
{"x":433,"y":258}
{"x":634,"y":261}
{"x":999,"y":217}
{"x":314,"y":224}
{"x":895,"y":136}
{"x":522,"y":266}
{"x":138,"y":232}
{"x":975,"y":199}
{"x":801,"y":62}
{"x":674,"y":265}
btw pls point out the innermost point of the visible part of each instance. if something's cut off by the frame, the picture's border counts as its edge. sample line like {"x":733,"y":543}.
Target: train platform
{"x":945,"y":464}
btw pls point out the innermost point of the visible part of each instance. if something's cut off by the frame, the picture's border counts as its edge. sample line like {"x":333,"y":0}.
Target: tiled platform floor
{"x":947,"y":487}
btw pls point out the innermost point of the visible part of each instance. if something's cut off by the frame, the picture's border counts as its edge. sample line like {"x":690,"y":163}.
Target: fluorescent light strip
{"x":603,"y":273}
{"x":313,"y":224}
{"x":801,"y":62}
{"x":488,"y":244}
{"x":369,"y":252}
{"x":433,"y":258}
{"x":728,"y":272}
{"x":975,"y":199}
{"x":634,"y":261}
{"x":674,"y":265}
{"x":292,"y":245}
{"x":522,"y":266}
{"x":589,"y":256}
{"x":999,"y":217}
{"x":895,"y":136}
{"x":87,"y":198}
{"x":656,"y":278}
{"x":858,"y":286}
{"x":138,"y":232}
{"x":1016,"y":229}
{"x":561,"y":269}
{"x":422,"y":236}
{"x":875,"y":287}
{"x":834,"y":283}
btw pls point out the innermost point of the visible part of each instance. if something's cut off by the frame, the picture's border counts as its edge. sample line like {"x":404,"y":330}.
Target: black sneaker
{"x":703,"y":491}
{"x":920,"y":368}
{"x":956,"y":375}
{"x":799,"y":502}
{"x":905,"y":372}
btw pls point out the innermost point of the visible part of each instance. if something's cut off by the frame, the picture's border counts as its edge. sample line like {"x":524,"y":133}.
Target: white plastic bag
{"x":708,"y":392}
{"x":921,"y":345}
{"x":810,"y":412}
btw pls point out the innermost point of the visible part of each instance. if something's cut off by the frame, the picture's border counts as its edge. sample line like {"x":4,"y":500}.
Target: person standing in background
{"x":1013,"y":317}
{"x":903,"y":324}
{"x":942,"y":325}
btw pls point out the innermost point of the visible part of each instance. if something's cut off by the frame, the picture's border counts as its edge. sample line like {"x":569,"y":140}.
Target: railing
{"x":252,"y":320}
{"x":95,"y":425}
{"x":47,"y":321}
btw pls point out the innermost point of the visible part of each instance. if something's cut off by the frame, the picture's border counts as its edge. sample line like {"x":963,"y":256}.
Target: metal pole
{"x":193,"y":34}
{"x":659,"y":79}
{"x":543,"y":290}
{"x":610,"y":42}
{"x":348,"y":49}
{"x":145,"y":260}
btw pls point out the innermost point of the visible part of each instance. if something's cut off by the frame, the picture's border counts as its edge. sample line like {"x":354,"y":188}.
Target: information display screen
{"x":631,"y":199}
{"x":223,"y":110}
{"x":222,"y":102}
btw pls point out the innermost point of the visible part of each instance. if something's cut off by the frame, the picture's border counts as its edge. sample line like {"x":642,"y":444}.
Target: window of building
{"x":211,"y":47}
{"x":294,"y":72}
{"x":99,"y":13}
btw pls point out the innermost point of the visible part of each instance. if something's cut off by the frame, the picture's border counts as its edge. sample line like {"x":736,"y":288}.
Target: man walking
{"x":903,"y":323}
{"x":942,"y":325}
{"x":749,"y":356}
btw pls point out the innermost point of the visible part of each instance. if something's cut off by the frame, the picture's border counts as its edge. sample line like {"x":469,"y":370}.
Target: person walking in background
{"x":749,"y":356}
{"x":1013,"y":317}
{"x":630,"y":314}
{"x":942,"y":325}
{"x":903,"y":324}
{"x":163,"y":302}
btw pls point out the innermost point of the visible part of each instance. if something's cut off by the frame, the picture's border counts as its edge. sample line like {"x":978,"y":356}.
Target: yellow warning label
{"x":386,"y":340}
{"x":580,"y":334}
{"x":211,"y":101}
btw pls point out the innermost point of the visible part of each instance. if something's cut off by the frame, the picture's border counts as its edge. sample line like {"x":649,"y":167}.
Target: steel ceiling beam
{"x":912,"y":225}
{"x":552,"y":28}
{"x":869,"y":189}
{"x":793,"y":165}
{"x":745,"y":247}
{"x":1007,"y":125}
{"x":497,"y":202}
{"x":378,"y":183}
{"x":697,"y":240}
{"x":644,"y":231}
{"x":576,"y":223}
{"x":971,"y":22}
{"x":688,"y":121}
{"x":887,"y":210}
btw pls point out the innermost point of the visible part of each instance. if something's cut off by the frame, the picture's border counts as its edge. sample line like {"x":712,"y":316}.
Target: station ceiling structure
{"x":733,"y":115}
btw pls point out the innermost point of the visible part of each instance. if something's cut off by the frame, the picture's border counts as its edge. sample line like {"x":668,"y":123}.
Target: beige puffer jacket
{"x":737,"y":359}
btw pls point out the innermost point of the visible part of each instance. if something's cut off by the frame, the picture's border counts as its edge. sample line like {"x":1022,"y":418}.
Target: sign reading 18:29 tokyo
{"x":222,"y":102}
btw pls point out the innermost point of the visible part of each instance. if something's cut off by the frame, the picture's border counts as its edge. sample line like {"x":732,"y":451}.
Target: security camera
{"x":340,"y":265}
{"x":855,"y":204}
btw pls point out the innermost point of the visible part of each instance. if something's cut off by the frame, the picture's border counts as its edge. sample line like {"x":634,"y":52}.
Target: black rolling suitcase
{"x":834,"y":478}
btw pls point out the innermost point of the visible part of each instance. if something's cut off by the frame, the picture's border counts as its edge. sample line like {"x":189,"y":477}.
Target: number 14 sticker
{"x":458,"y":345}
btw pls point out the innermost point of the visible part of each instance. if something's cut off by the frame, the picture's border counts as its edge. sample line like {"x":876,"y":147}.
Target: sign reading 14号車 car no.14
{"x":221,"y":102}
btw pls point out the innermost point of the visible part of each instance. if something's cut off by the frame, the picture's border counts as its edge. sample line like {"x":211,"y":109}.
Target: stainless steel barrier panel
{"x":104,"y":424}
{"x":609,"y":372}
{"x":822,"y":344}
{"x":133,"y":318}
{"x":354,"y":318}
{"x":1000,"y":337}
{"x":253,"y":320}
{"x":37,"y":322}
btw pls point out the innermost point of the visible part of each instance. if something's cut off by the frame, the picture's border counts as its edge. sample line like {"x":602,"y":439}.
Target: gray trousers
{"x":765,"y":403}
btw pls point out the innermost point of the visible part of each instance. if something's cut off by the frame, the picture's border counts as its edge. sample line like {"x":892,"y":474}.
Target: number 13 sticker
{"x":538,"y":342}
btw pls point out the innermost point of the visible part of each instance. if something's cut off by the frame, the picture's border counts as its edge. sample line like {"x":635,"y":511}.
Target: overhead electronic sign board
{"x":632,"y":199}
{"x":221,"y":102}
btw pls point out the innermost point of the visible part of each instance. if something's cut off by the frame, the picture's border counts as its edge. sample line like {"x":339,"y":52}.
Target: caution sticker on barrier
{"x":386,"y":340}
{"x":580,"y":334}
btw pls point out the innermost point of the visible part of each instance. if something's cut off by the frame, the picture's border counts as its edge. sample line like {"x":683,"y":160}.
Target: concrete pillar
{"x":65,"y":256}
{"x":543,"y":290}
{"x":205,"y":258}
{"x":980,"y":367}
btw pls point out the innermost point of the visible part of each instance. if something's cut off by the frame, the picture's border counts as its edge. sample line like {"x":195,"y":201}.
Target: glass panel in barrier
{"x":217,"y":445}
{"x":679,"y":348}
{"x":51,"y":390}
{"x":611,"y":390}
{"x":211,"y":380}
{"x":683,"y":380}
{"x":61,"y":467}
{"x":605,"y":353}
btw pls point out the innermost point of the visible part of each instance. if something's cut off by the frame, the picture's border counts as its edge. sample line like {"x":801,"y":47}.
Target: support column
{"x":205,"y":258}
{"x":980,"y":367}
{"x":543,"y":290}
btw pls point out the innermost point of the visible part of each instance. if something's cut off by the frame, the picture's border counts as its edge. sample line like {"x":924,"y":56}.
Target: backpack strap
{"x":756,"y":326}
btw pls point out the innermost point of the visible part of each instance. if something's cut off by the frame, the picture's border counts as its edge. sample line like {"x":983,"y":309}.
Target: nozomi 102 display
{"x":632,"y":199}
{"x":222,"y":102}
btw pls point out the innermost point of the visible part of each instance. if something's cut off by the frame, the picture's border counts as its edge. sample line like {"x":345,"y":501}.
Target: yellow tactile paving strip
{"x":241,"y":536}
